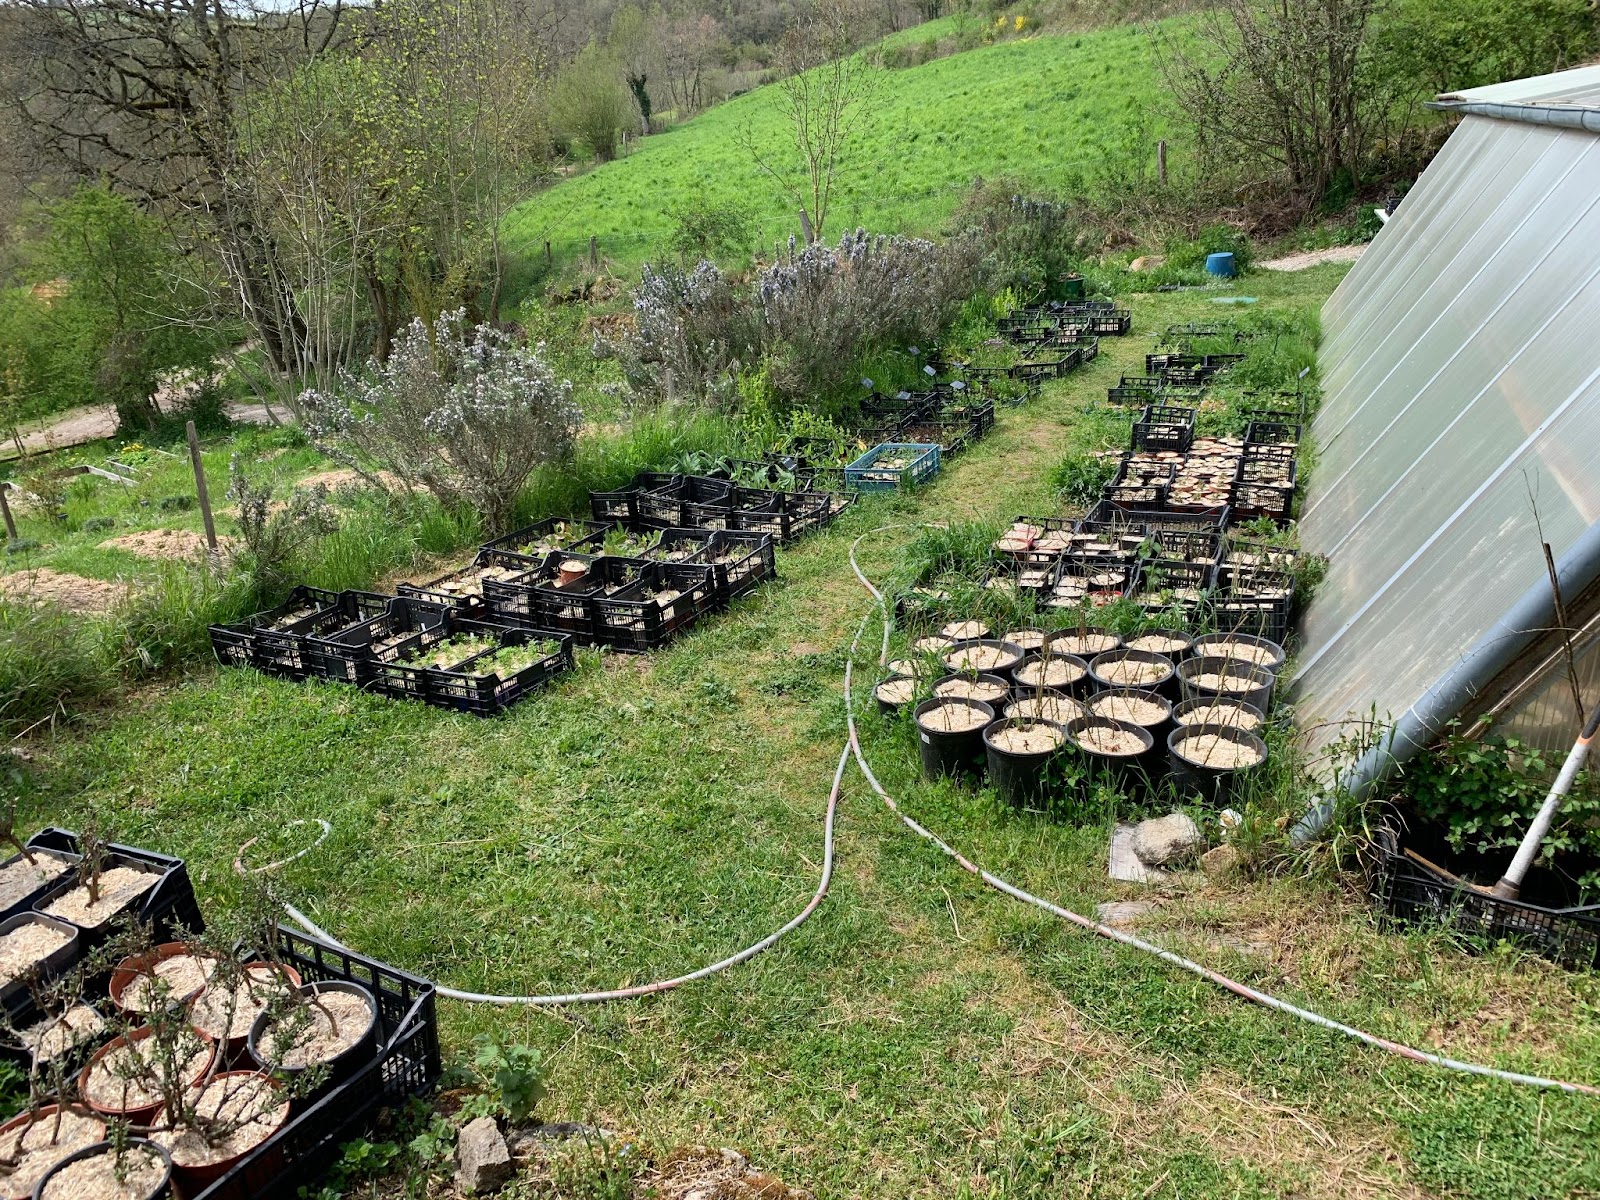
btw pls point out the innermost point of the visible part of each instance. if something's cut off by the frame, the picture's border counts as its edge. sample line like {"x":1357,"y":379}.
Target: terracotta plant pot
{"x":192,"y":1176}
{"x":137,"y":966}
{"x":20,"y":1185}
{"x":140,"y":1111}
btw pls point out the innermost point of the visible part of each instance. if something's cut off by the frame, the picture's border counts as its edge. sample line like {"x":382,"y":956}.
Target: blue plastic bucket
{"x":1221,"y":264}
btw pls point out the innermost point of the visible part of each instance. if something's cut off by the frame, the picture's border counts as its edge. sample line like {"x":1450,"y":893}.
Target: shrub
{"x":1080,"y":478}
{"x":456,"y":411}
{"x":1031,"y":242}
{"x":1484,"y":795}
{"x":809,"y":319}
{"x":590,"y":103}
{"x":276,"y":537}
{"x":708,"y":230}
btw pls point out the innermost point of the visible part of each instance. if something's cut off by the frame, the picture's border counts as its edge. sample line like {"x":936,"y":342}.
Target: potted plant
{"x":330,"y":1027}
{"x":101,"y":889}
{"x":36,"y":1140}
{"x":1212,"y":759}
{"x":174,"y":972}
{"x":29,"y":871}
{"x":121,"y":1169}
{"x":1019,"y":752}
{"x":950,"y":735}
{"x":32,"y":945}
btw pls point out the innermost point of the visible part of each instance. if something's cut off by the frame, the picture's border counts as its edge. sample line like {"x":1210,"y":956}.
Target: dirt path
{"x":1313,"y":258}
{"x":94,"y":422}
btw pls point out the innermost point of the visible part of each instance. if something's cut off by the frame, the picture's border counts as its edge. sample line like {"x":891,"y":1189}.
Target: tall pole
{"x":200,"y":488}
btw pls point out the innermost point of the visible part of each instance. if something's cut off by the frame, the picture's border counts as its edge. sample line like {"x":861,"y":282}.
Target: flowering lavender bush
{"x":460,"y":412}
{"x":809,"y":318}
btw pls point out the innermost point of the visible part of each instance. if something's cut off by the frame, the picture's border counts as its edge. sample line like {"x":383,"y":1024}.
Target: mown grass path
{"x":921,"y":1034}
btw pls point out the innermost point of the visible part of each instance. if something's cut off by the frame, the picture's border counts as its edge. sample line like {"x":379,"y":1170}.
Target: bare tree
{"x":825,"y":99}
{"x":1289,"y":83}
{"x":148,"y":93}
{"x":632,"y":41}
{"x":689,"y":44}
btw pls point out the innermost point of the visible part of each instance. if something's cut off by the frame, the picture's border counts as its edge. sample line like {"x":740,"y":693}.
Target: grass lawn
{"x":922,"y":1035}
{"x":1053,"y":110}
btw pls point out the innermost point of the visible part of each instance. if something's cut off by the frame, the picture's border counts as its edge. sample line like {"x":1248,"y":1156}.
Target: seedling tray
{"x":918,"y":463}
{"x":287,"y":650}
{"x":681,"y":545}
{"x":1164,"y":428}
{"x":446,"y":591}
{"x":407,"y":1064}
{"x":169,"y":908}
{"x":1108,"y":515}
{"x":237,"y":645}
{"x":353,"y":655}
{"x":1273,"y":433}
{"x":740,"y":562}
{"x":25,"y":903}
{"x":532,"y":543}
{"x":487,"y":695}
{"x":631,"y":619}
{"x":535,"y":601}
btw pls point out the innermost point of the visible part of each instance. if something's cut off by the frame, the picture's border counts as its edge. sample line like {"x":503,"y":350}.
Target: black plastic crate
{"x":1163,"y":427}
{"x":1090,"y":579}
{"x":169,"y":908}
{"x":407,"y":1064}
{"x":1109,"y":514}
{"x":1136,"y":389}
{"x":1260,"y":603}
{"x":287,"y":650}
{"x":463,"y":588}
{"x":1264,"y":486}
{"x":535,"y":541}
{"x":1136,"y":469}
{"x":662,"y":508}
{"x":1162,"y":362}
{"x":1273,"y":433}
{"x":786,"y":520}
{"x":634,"y":619}
{"x":239,"y":645}
{"x":681,"y":545}
{"x":1115,"y":323}
{"x":537,"y":600}
{"x":1407,"y":892}
{"x":1150,"y":493}
{"x":740,"y":562}
{"x":65,"y":859}
{"x":1202,"y":546}
{"x":1248,"y":556}
{"x":352,"y":655}
{"x":1188,"y":583}
{"x":486,"y":695}
{"x":614,"y":508}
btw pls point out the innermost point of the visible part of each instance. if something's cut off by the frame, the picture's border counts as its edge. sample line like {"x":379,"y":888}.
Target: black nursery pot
{"x":1173,"y":643}
{"x":992,"y":690}
{"x":1123,"y":771}
{"x":958,"y":752}
{"x":1247,"y":683}
{"x":344,"y":1064}
{"x":1022,"y":777}
{"x":888,"y":703}
{"x":1215,"y":784}
{"x":1164,"y":678}
{"x":164,"y":1188}
{"x":1217,"y":645}
{"x":1061,"y":672}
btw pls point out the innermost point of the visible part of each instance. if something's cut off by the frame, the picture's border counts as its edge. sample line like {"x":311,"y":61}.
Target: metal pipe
{"x":1560,"y":116}
{"x":1498,"y":648}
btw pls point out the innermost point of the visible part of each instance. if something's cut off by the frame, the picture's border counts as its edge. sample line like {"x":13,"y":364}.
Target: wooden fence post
{"x":805,"y":226}
{"x":5,"y":511}
{"x":549,"y":258}
{"x":594,"y":253}
{"x":1161,"y":162}
{"x":200,"y":488}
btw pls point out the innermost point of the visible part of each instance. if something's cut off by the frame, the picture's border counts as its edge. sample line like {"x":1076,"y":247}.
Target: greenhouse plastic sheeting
{"x":1461,"y":375}
{"x":1544,"y":715}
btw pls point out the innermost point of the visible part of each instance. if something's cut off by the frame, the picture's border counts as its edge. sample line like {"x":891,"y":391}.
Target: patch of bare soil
{"x":1313,"y":258}
{"x":345,"y":477}
{"x":704,"y":1173}
{"x":76,"y":593}
{"x":166,"y":543}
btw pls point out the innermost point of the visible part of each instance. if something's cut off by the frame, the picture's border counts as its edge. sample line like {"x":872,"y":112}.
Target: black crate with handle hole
{"x":237,"y":645}
{"x":170,"y":907}
{"x":539,"y":599}
{"x":1202,"y":546}
{"x":463,"y":588}
{"x":1164,"y":427}
{"x":407,"y":1064}
{"x":533,"y":542}
{"x":1116,"y":323}
{"x":740,"y":562}
{"x":288,"y":649}
{"x":1136,"y":389}
{"x":1406,"y":892}
{"x":351,"y":655}
{"x":791,"y":515}
{"x":1272,"y":433}
{"x":483,"y":688}
{"x":1108,"y":514}
{"x":666,"y":600}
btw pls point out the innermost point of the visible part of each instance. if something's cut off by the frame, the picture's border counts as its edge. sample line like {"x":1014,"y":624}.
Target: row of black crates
{"x":406,"y":1062}
{"x":382,"y":643}
{"x":655,"y":500}
{"x":1170,"y":560}
{"x":1034,"y":324}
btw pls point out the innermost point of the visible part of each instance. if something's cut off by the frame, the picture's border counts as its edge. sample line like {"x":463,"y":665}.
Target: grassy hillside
{"x":1056,"y":111}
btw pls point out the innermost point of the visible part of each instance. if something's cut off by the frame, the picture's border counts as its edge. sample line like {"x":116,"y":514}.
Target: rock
{"x":1148,"y":262}
{"x":1220,"y":862}
{"x":1123,"y":914}
{"x":483,"y":1160}
{"x":1162,"y":840}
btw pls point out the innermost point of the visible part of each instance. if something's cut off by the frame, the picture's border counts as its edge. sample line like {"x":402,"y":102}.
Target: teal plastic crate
{"x":909,"y":464}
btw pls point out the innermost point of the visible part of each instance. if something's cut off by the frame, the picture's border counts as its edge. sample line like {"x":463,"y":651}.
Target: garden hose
{"x":853,"y":748}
